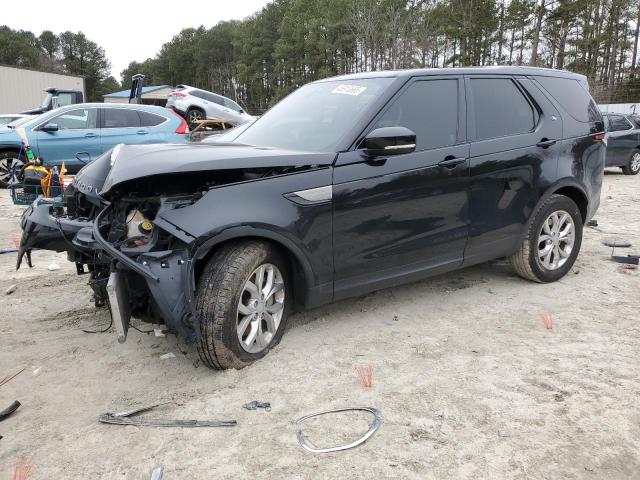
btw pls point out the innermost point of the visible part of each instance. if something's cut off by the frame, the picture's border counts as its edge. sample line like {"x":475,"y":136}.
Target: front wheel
{"x":7,"y":161}
{"x":552,"y":243}
{"x":242,"y":304}
{"x":633,"y":165}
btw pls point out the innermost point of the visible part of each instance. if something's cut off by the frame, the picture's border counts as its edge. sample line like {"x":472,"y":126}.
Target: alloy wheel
{"x":5,"y":169}
{"x":195,"y":115}
{"x":635,"y":162}
{"x":555,"y":240}
{"x":260,"y":308}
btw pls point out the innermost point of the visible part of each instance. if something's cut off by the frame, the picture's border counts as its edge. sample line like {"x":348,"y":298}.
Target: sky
{"x":127,"y":30}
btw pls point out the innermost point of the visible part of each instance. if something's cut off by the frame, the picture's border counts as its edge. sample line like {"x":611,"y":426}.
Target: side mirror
{"x":50,"y":127}
{"x":387,"y":141}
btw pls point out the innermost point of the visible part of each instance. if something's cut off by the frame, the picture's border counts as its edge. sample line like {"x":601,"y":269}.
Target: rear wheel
{"x":552,"y":243}
{"x":633,"y":165}
{"x":242,"y":304}
{"x":7,"y":161}
{"x":194,"y":114}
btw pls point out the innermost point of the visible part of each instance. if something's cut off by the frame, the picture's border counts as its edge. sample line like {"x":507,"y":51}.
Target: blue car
{"x":76,"y":134}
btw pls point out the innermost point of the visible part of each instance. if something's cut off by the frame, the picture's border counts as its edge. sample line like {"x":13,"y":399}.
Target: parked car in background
{"x":195,"y":104}
{"x":348,"y":185}
{"x":55,"y":98}
{"x":7,"y":119}
{"x":623,"y":142}
{"x":79,"y":133}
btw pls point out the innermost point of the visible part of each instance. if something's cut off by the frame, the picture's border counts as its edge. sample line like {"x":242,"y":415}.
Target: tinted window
{"x":212,"y":97}
{"x":572,"y":96}
{"x":316,"y":117}
{"x":120,"y":118}
{"x":635,"y":120}
{"x":150,"y":120}
{"x":197,"y":93}
{"x":231,"y":104}
{"x":500,"y":108}
{"x":430,"y":110}
{"x":618,"y":123}
{"x":76,"y":119}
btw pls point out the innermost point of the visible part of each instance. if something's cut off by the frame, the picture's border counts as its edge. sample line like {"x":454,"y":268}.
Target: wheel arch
{"x":297,"y":262}
{"x":569,"y":188}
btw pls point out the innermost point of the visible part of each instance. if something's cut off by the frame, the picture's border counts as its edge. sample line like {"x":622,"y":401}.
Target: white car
{"x":7,"y":119}
{"x":195,"y":104}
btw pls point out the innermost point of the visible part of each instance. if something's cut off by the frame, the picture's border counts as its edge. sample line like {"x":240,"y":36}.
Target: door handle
{"x":546,"y":142}
{"x":90,"y":135}
{"x":451,"y":162}
{"x":142,"y":132}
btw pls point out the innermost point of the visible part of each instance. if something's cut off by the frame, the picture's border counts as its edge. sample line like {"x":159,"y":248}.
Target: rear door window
{"x":120,"y":118}
{"x":429,"y":108}
{"x":231,"y":104}
{"x":500,"y":108}
{"x":150,"y":119}
{"x":573,"y":97}
{"x":617,"y":123}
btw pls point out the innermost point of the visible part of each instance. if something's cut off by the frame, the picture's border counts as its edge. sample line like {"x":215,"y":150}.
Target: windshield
{"x":19,"y":121}
{"x":47,"y":101}
{"x":315,"y":117}
{"x":229,"y":135}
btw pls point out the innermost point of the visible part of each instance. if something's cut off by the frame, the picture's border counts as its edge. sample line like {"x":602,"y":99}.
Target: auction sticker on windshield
{"x":349,"y":89}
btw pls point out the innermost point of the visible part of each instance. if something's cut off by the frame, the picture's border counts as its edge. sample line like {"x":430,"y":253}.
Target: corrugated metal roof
{"x":125,"y":93}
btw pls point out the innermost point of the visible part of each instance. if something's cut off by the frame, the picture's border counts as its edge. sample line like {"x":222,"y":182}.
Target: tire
{"x":222,"y":286}
{"x":6,"y":162}
{"x":194,"y":114}
{"x":530,"y":261}
{"x":633,"y":164}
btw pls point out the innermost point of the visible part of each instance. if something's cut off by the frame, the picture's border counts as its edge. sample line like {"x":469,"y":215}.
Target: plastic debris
{"x":167,"y":355}
{"x":8,"y":378}
{"x":616,"y":243}
{"x":547,"y":320}
{"x":365,"y":375}
{"x":11,"y":289}
{"x":158,"y":332}
{"x":125,"y":418}
{"x":53,"y":266}
{"x":254,"y":405}
{"x":592,"y":223}
{"x":157,"y":472}
{"x":22,"y":470}
{"x":9,"y":410}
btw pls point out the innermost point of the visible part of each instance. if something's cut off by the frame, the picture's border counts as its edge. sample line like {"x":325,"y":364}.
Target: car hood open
{"x":130,"y":162}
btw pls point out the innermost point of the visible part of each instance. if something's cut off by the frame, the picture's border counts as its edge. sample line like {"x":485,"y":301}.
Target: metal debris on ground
{"x":377,"y":421}
{"x":547,"y":320}
{"x":9,"y":410}
{"x":11,"y":289}
{"x":22,"y":470}
{"x":365,"y":375}
{"x":124,"y":418}
{"x":616,"y":243}
{"x":8,"y":378}
{"x":254,"y":405}
{"x":629,"y":259}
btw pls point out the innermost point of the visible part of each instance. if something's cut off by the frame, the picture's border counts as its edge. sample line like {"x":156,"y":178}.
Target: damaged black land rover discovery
{"x":348,"y":185}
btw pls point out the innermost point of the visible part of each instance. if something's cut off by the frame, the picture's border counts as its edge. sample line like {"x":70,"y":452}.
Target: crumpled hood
{"x":136,"y":161}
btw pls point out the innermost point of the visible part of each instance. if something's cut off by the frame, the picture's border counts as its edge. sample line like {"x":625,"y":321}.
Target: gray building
{"x":22,"y":89}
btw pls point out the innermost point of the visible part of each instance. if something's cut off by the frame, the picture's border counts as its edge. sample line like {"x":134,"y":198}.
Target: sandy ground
{"x":470,"y":382}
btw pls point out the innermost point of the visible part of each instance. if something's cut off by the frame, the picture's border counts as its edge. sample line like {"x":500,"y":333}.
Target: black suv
{"x":623,"y":142}
{"x":348,"y":185}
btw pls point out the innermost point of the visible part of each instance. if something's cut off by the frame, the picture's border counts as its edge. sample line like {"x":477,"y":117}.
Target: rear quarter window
{"x":573,"y":97}
{"x":150,"y":119}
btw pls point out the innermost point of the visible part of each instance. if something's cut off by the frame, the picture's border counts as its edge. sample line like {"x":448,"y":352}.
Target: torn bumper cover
{"x":169,"y":279}
{"x":43,"y":230}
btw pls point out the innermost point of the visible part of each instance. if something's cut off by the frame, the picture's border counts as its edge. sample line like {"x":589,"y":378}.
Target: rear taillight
{"x":177,"y":94}
{"x":183,"y":128}
{"x":599,"y":137}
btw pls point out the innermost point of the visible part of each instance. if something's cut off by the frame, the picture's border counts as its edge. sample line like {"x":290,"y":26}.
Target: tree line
{"x":288,"y":43}
{"x":291,"y":42}
{"x":69,"y":52}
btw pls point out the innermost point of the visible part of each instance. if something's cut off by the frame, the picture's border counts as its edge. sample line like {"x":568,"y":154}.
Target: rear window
{"x":500,"y":108}
{"x":573,"y":97}
{"x":150,"y":119}
{"x":120,"y":118}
